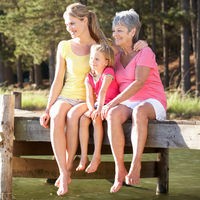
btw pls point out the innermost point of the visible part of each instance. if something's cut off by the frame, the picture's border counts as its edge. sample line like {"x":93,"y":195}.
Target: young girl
{"x":101,"y":88}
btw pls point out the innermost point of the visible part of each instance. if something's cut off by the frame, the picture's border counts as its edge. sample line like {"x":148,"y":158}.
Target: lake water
{"x":184,"y":184}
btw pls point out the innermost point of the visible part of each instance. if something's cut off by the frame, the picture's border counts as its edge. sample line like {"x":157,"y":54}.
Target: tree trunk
{"x":153,"y":28}
{"x":165,"y":49}
{"x":9,"y":74}
{"x":19,"y":72}
{"x":197,"y":62}
{"x":185,"y":53}
{"x":52,"y":63}
{"x":38,"y":76}
{"x":193,"y":22}
{"x":83,"y":2}
{"x":31,"y":75}
{"x":2,"y":78}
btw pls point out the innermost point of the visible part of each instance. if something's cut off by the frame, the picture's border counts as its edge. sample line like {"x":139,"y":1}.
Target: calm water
{"x":184,"y":184}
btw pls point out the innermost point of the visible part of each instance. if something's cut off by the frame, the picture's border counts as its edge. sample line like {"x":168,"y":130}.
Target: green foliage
{"x":33,"y":25}
{"x":34,"y":100}
{"x":183,"y":106}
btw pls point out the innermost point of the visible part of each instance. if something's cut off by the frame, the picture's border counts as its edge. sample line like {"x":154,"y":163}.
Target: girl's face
{"x":122,"y":36}
{"x":75,"y":26}
{"x":97,"y":61}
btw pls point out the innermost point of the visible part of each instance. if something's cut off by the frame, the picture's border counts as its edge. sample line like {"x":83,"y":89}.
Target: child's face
{"x":98,"y":61}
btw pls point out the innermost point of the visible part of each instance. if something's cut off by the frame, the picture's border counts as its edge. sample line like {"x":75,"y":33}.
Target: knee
{"x":139,"y":115}
{"x":84,"y":121}
{"x":112,"y":115}
{"x":56,"y":116}
{"x":72,"y":116}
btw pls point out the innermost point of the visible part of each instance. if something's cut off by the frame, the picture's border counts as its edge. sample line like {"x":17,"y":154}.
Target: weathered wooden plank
{"x":166,"y":134}
{"x":163,"y":171}
{"x":35,"y":168}
{"x":42,"y":168}
{"x":22,"y":148}
{"x":6,"y":145}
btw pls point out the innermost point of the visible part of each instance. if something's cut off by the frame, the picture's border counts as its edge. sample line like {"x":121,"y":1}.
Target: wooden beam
{"x":42,"y":168}
{"x":6,"y":145}
{"x":161,"y":134}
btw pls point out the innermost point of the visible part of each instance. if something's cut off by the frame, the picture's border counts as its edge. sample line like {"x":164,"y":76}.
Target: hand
{"x":88,"y":113}
{"x":140,"y":44}
{"x":105,"y":110}
{"x":44,"y":120}
{"x":95,"y":114}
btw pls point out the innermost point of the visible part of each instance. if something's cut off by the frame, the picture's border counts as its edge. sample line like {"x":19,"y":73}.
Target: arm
{"x":58,"y":79}
{"x":89,"y":97}
{"x":107,"y":79}
{"x":141,"y":76}
{"x":55,"y":88}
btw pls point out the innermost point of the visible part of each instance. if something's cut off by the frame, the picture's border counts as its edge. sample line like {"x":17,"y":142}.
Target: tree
{"x":185,"y":53}
{"x":165,"y":47}
{"x":197,"y":63}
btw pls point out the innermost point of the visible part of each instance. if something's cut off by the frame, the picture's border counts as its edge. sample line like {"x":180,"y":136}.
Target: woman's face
{"x":75,"y":26}
{"x":122,"y":36}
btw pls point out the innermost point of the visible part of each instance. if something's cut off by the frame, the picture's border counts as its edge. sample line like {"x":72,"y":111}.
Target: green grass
{"x":34,"y":101}
{"x":31,"y":99}
{"x":183,"y":106}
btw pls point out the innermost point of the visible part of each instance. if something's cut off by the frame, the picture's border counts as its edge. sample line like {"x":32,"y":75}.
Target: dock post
{"x":18,"y":99}
{"x":163,"y":172}
{"x":6,"y":145}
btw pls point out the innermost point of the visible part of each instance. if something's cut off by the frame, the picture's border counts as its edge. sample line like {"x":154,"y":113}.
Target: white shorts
{"x":158,"y":107}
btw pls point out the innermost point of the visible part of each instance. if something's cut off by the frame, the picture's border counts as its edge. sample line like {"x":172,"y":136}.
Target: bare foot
{"x":118,"y":183}
{"x":92,"y":167}
{"x":57,"y":183}
{"x":63,"y":185}
{"x":82,"y":164}
{"x":133,"y":176}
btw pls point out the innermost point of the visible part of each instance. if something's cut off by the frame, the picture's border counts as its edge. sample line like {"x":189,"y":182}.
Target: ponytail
{"x":94,"y":28}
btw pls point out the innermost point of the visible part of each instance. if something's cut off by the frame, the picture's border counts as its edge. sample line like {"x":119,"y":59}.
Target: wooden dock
{"x":22,"y":139}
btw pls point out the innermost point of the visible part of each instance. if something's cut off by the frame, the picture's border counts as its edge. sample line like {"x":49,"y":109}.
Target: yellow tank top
{"x":77,"y":68}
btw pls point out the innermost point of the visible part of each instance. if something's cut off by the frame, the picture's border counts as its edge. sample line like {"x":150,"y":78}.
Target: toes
{"x":80,"y":167}
{"x":57,"y":183}
{"x":93,"y":166}
{"x":115,"y":188}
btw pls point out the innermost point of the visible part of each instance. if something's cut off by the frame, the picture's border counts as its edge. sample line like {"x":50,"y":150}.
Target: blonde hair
{"x":80,"y":11}
{"x":106,"y":50}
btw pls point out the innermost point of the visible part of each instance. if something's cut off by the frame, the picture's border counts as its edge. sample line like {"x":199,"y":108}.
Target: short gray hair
{"x":130,"y":19}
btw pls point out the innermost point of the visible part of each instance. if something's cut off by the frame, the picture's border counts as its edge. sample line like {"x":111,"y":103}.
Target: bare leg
{"x":58,"y":141}
{"x":115,"y":120}
{"x":141,"y":116}
{"x":98,"y":137}
{"x":83,"y":137}
{"x":73,"y":117}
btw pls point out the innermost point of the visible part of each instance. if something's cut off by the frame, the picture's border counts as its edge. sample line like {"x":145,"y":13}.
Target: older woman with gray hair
{"x":142,"y":97}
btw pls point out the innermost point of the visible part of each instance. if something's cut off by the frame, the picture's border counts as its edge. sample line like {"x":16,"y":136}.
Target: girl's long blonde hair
{"x":80,"y":11}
